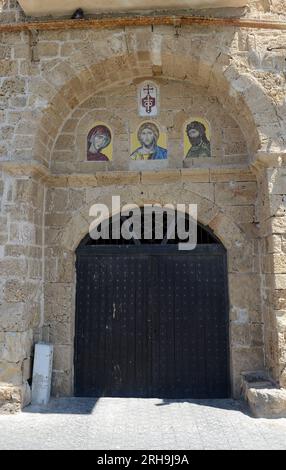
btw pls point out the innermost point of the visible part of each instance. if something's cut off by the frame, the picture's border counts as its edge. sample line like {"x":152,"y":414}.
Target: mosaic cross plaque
{"x":148,"y":99}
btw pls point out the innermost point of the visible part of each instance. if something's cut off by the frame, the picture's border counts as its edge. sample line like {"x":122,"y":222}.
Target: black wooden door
{"x":152,"y":321}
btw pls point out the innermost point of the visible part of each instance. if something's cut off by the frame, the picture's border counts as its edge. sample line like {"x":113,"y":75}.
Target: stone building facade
{"x":54,"y":88}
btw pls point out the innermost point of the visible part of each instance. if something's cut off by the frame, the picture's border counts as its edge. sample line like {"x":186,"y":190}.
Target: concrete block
{"x":42,"y":374}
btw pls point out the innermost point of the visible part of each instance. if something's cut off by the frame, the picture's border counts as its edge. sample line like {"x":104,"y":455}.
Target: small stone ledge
{"x":14,"y":398}
{"x":108,"y":178}
{"x":32,"y":168}
{"x":264,"y":399}
{"x":265,"y":160}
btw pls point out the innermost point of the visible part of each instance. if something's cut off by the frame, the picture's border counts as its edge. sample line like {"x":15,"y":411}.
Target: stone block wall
{"x":271,"y":213}
{"x":21,"y":278}
{"x":117,"y":107}
{"x":51,"y":91}
{"x":41,"y":85}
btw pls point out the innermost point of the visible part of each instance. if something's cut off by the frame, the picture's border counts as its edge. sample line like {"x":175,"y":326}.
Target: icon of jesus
{"x":148,"y":136}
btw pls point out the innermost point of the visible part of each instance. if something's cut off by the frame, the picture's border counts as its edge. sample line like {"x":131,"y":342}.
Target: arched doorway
{"x":152,"y":321}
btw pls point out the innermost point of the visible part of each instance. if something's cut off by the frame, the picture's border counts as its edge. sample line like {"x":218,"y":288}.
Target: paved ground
{"x":117,"y":423}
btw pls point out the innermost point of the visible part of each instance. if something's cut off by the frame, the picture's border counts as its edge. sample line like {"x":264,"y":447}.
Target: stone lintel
{"x":32,"y":168}
{"x":229,"y":174}
{"x":109,"y":178}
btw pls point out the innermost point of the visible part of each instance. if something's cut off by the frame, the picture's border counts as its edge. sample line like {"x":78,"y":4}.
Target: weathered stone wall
{"x":233,"y":64}
{"x":271,"y":213}
{"x":49,"y":96}
{"x":21,"y":232}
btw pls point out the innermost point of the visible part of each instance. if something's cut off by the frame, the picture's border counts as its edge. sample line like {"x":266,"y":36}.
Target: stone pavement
{"x":119,"y":423}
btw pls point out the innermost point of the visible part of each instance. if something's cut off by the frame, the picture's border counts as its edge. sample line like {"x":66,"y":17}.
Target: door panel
{"x":152,"y":324}
{"x":190,"y":340}
{"x":111,"y":326}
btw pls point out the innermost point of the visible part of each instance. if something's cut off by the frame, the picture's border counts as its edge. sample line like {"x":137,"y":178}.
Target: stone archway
{"x":209,"y":213}
{"x":41,"y":200}
{"x":152,"y":319}
{"x":64,"y":86}
{"x":60,"y":296}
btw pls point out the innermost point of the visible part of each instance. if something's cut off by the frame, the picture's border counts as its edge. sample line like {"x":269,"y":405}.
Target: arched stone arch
{"x":65,"y":85}
{"x":209,"y":214}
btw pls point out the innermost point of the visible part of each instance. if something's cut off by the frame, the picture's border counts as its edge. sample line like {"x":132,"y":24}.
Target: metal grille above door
{"x":152,"y":321}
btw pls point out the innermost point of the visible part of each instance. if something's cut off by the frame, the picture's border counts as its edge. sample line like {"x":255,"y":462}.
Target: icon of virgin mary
{"x":97,"y":140}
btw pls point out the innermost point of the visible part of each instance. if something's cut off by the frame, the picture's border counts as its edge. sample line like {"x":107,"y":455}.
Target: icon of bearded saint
{"x":148,"y":136}
{"x":98,"y":139}
{"x":200,"y":144}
